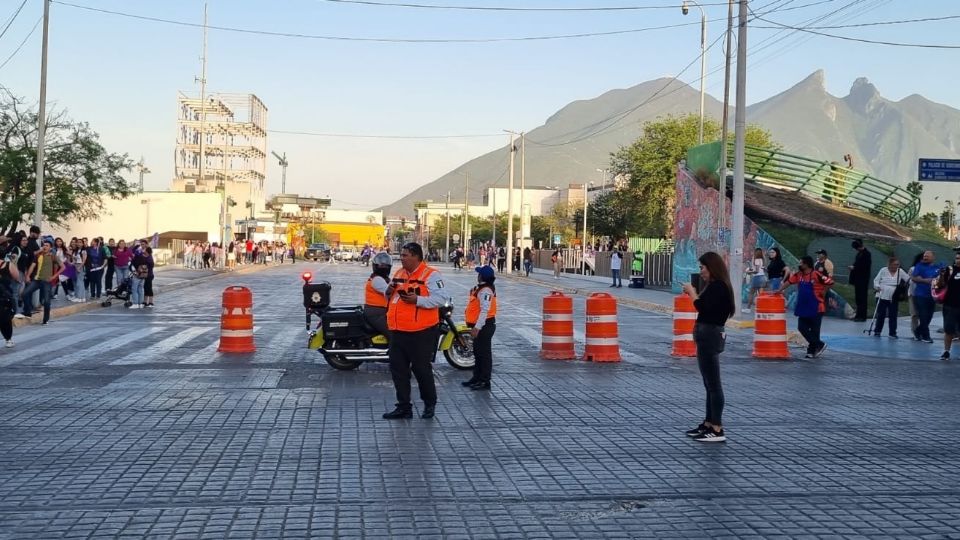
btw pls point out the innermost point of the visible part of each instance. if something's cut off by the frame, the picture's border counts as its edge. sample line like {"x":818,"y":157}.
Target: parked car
{"x":318,"y":252}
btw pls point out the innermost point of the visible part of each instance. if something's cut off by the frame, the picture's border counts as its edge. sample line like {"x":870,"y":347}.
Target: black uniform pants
{"x":483,"y":351}
{"x":413,"y":352}
{"x":860,"y":292}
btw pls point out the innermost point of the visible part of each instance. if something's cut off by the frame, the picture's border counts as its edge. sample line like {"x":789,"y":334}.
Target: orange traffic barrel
{"x":236,"y":321}
{"x":603,"y":345}
{"x":557,"y":335}
{"x":770,"y":327}
{"x":684,"y":317}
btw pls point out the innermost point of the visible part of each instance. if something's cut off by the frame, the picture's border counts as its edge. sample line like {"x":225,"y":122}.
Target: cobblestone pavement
{"x":129,"y":424}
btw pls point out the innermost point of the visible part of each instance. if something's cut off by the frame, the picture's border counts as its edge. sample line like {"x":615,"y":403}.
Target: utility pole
{"x":446,"y":254}
{"x":283,"y":164}
{"x":703,"y":57}
{"x":736,"y":247}
{"x":466,"y":209}
{"x":42,"y":118}
{"x":510,"y":210}
{"x":203,"y":95}
{"x":524,"y":227}
{"x":724,"y":132}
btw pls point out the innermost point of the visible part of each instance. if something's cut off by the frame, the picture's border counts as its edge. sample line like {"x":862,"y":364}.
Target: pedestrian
{"x":911,"y":288}
{"x":758,"y":278}
{"x":823,"y":264}
{"x":615,"y":261}
{"x":811,"y":303}
{"x":148,"y":282}
{"x":891,"y":286}
{"x":515,"y":260}
{"x":777,"y":270}
{"x":96,"y":261}
{"x":22,"y":258}
{"x":714,"y":306}
{"x":122,"y":257}
{"x":9,"y":278}
{"x":481,"y":317}
{"x":415,"y":295}
{"x":555,"y":260}
{"x":501,"y":259}
{"x":527,"y":261}
{"x":924,"y":274}
{"x":950,"y":280}
{"x":860,"y":272}
{"x":111,"y":265}
{"x":42,"y":273}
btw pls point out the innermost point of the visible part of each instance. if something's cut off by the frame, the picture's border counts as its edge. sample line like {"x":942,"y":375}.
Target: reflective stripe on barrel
{"x":557,"y":332}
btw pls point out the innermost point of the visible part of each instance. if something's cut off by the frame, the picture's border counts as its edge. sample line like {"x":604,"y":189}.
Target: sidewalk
{"x":166,"y":278}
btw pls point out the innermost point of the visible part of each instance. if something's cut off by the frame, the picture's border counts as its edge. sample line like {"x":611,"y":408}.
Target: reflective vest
{"x":473,"y":306}
{"x":372,"y":297}
{"x":404,"y":317}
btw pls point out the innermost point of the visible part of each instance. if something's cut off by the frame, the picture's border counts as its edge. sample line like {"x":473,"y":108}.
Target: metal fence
{"x":657,"y":268}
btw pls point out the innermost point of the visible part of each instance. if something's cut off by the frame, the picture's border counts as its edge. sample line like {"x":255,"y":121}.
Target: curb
{"x":66,"y":311}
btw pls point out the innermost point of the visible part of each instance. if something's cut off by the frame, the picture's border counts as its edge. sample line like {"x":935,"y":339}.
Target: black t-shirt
{"x":713,"y":305}
{"x":775,"y":268}
{"x":952,"y":298}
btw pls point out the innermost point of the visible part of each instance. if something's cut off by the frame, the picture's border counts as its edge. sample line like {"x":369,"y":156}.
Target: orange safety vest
{"x":404,"y":317}
{"x":372,"y":297}
{"x":473,"y":306}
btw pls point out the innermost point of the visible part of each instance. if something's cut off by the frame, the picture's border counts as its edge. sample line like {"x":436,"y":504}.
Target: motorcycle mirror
{"x":306,"y":276}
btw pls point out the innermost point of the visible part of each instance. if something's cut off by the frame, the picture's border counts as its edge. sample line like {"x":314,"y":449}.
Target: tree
{"x":313,"y":233}
{"x":611,"y":214}
{"x":915,"y":188}
{"x":78,"y":171}
{"x":650,"y":165}
{"x":929,"y":222}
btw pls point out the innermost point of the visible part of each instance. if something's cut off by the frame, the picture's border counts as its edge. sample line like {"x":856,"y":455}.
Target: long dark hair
{"x":713,"y":262}
{"x":777,"y":251}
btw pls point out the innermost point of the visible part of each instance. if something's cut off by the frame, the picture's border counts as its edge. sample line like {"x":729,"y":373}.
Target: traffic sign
{"x":939,"y":170}
{"x":557,"y":239}
{"x":456,"y":237}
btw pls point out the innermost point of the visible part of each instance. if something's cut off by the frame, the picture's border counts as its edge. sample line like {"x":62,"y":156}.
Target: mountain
{"x":884,"y":137}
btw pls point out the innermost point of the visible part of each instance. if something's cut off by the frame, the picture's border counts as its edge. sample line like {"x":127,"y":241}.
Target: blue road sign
{"x":939,"y":170}
{"x":557,"y":238}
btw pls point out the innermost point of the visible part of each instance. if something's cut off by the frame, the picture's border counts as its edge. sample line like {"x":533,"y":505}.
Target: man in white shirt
{"x":615,"y":261}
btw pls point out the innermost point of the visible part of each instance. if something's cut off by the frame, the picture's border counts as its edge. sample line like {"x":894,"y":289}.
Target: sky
{"x":122,"y":74}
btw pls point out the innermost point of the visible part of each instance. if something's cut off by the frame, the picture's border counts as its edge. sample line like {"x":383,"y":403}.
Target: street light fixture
{"x":703,"y":57}
{"x":603,"y":182}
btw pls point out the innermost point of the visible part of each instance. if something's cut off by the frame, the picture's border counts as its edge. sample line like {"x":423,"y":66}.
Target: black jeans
{"x":483,"y":352}
{"x":111,"y":270}
{"x":413,"y":351}
{"x":709,"y":340}
{"x":860,"y":293}
{"x":809,"y":327}
{"x":925,"y":307}
{"x":886,"y":309}
{"x":96,"y":283}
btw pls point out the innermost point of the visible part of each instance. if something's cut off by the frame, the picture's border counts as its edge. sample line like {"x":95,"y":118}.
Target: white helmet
{"x":382,"y":259}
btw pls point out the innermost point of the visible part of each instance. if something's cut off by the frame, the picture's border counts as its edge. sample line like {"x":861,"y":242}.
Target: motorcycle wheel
{"x":461,"y":356}
{"x":339,"y":361}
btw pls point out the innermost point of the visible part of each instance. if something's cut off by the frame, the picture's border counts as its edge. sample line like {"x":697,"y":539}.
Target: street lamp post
{"x":283,"y":164}
{"x":583,"y":260}
{"x":42,"y":118}
{"x":603,"y":180}
{"x":722,"y":186}
{"x":703,"y":57}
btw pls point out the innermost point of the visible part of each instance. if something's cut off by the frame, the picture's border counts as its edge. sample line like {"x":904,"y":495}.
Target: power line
{"x":509,"y":8}
{"x":369,"y":136}
{"x":34,"y":29}
{"x":876,"y":23}
{"x":862,"y":40}
{"x":374,"y":40}
{"x":13,"y":18}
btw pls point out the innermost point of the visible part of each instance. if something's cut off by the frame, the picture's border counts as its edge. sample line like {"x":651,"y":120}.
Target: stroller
{"x":122,"y":293}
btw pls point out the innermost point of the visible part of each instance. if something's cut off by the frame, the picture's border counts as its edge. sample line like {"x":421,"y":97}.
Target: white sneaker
{"x":19,"y":316}
{"x":9,"y":344}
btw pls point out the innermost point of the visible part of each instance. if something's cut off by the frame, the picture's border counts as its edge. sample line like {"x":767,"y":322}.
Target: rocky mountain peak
{"x":863,"y":96}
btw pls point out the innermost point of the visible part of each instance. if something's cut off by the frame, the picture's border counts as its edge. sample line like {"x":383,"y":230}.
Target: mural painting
{"x":695,"y":233}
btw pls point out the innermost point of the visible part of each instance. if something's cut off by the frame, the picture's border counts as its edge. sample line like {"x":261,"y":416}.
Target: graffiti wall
{"x":694,"y":229}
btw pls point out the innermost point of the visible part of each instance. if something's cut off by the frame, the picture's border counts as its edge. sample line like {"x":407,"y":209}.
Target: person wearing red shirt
{"x":812,"y":287}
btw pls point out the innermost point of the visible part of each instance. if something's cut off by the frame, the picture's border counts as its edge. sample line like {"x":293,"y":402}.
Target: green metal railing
{"x":831,"y":183}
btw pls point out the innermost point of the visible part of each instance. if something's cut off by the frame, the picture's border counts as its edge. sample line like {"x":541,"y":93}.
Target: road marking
{"x":46,"y":349}
{"x":296,"y":336}
{"x":126,"y":339}
{"x":208,"y":354}
{"x":151,"y":353}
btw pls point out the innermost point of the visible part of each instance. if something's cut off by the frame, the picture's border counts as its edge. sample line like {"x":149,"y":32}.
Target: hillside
{"x":884,"y":137}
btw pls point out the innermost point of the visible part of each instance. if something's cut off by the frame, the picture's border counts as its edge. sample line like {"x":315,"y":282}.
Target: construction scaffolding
{"x":233,"y":146}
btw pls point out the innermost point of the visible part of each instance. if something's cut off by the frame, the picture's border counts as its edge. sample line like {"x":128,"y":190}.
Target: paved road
{"x":130,"y":424}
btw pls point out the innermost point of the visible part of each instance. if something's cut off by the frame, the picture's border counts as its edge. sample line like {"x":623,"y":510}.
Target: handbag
{"x":939,"y":295}
{"x":900,"y":293}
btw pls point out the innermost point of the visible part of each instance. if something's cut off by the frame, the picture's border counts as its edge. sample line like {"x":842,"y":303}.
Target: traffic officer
{"x":481,"y":317}
{"x":415,"y":295}
{"x":375,"y":294}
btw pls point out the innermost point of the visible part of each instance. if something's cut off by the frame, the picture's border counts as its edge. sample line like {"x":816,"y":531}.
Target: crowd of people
{"x":200,"y":255}
{"x":37,"y":269}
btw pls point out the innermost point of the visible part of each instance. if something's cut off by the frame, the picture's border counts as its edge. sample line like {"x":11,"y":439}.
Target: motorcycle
{"x":345,"y":340}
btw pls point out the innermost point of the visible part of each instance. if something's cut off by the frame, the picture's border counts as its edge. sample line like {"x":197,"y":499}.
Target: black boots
{"x":428,"y":411}
{"x":398,"y":413}
{"x":469,"y":383}
{"x":480,"y":385}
